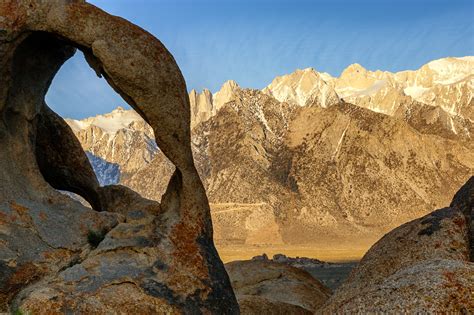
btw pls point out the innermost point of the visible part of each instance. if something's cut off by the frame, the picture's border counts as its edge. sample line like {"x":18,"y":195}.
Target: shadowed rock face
{"x":55,"y":146}
{"x":132,"y":254}
{"x":464,"y":201}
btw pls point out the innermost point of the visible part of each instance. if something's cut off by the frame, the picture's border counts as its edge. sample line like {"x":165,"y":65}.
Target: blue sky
{"x":251,"y":42}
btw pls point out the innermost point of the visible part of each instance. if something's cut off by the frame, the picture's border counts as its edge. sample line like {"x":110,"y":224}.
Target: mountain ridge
{"x":282,"y":173}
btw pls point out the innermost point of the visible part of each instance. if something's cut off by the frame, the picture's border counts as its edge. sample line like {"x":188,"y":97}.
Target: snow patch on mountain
{"x":371,"y":90}
{"x":415,"y":91}
{"x":112,"y":122}
{"x":303,"y":87}
{"x":452,"y":70}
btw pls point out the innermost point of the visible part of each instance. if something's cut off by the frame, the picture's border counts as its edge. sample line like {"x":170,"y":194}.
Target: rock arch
{"x":157,"y":257}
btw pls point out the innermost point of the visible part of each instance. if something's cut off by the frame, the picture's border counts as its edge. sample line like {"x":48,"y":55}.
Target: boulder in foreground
{"x":421,"y":266}
{"x":128,"y":254}
{"x":263,"y":287}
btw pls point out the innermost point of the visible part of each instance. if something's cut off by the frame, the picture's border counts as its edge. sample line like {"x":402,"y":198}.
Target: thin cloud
{"x":252,"y":42}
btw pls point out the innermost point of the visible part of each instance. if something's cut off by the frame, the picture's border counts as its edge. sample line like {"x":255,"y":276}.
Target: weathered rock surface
{"x":330,"y":274}
{"x":255,"y":305}
{"x":464,"y":201}
{"x":262,"y":286}
{"x":422,"y":266}
{"x":137,"y":255}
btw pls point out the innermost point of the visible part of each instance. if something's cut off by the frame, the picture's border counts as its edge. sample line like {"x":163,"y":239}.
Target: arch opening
{"x":118,"y":142}
{"x":61,"y":161}
{"x":39,"y":38}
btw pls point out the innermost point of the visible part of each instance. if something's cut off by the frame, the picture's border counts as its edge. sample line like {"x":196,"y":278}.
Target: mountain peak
{"x":119,"y":109}
{"x":303,"y":87}
{"x":355,"y":67}
{"x":229,"y":85}
{"x":305,"y":70}
{"x":110,"y":123}
{"x":204,"y":105}
{"x":225,"y":94}
{"x":451,"y":70}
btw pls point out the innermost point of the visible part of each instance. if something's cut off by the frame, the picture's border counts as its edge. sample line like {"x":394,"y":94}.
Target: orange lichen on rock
{"x":166,"y":251}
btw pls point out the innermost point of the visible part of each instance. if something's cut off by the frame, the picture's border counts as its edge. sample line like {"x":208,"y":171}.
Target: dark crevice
{"x":464,"y":201}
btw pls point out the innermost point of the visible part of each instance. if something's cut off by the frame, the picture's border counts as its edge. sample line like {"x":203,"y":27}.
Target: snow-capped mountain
{"x":109,"y":123}
{"x":310,"y":158}
{"x":446,"y":83}
{"x":121,"y":137}
{"x":303,"y":87}
{"x":440,"y":92}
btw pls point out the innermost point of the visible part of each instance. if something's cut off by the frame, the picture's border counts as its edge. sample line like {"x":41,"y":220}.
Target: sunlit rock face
{"x":204,"y":105}
{"x":446,"y":83}
{"x":127,"y":254}
{"x":303,"y":87}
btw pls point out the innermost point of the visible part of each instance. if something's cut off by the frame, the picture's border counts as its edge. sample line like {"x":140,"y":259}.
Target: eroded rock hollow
{"x":128,"y":254}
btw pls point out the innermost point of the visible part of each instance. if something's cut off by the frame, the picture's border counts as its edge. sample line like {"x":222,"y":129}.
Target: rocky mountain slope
{"x":121,"y":137}
{"x":313,"y":159}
